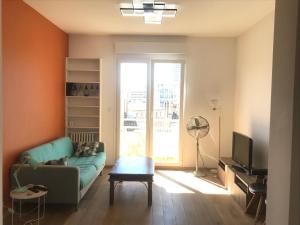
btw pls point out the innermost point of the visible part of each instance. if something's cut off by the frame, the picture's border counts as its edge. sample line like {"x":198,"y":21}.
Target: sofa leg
{"x":76,"y":207}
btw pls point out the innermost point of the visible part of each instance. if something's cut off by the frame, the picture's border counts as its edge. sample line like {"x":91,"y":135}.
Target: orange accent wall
{"x":34,"y":52}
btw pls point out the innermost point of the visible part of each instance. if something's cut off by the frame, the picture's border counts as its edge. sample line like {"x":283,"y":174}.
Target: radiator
{"x":84,"y":137}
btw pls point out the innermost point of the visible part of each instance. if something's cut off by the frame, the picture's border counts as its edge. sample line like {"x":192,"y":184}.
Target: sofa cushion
{"x":98,"y":161}
{"x":87,"y":174}
{"x":42,"y":153}
{"x":62,"y":147}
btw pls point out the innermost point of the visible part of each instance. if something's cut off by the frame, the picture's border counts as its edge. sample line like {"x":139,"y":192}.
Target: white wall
{"x":210,"y":74}
{"x":253,"y":87}
{"x":284,"y":173}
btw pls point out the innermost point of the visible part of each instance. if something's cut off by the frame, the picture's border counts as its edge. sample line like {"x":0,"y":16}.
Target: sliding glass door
{"x":150,"y":106}
{"x":166,"y":111}
{"x":133,"y":108}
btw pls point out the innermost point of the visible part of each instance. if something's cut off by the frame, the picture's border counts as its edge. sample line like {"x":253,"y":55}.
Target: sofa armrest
{"x":63,"y":182}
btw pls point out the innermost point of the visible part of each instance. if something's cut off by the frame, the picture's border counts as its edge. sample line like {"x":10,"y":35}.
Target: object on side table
{"x":26,"y":160}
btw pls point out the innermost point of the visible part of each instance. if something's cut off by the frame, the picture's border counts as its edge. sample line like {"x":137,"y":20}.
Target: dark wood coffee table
{"x":132,"y":169}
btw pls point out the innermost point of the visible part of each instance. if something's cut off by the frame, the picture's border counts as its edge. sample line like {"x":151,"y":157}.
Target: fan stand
{"x":197,"y":172}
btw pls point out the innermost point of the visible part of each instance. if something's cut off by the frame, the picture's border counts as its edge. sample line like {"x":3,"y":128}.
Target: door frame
{"x":150,"y":60}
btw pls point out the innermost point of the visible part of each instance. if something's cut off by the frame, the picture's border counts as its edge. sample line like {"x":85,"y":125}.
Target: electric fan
{"x":198,"y":127}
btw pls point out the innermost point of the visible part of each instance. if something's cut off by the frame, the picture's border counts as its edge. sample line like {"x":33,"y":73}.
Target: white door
{"x":133,"y":108}
{"x":166,"y":111}
{"x":150,"y":109}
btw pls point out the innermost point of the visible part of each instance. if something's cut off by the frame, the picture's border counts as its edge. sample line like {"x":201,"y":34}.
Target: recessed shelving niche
{"x":83,"y":98}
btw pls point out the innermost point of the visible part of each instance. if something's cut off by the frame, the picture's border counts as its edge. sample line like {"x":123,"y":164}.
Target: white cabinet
{"x":83,"y":99}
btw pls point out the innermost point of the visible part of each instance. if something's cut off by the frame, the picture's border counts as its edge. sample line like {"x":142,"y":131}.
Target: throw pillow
{"x":85,"y":149}
{"x":98,"y":146}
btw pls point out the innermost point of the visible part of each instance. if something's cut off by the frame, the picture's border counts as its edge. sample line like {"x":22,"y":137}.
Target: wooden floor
{"x":175,"y":202}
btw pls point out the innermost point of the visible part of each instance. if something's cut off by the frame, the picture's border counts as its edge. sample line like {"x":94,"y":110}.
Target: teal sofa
{"x":66,"y":184}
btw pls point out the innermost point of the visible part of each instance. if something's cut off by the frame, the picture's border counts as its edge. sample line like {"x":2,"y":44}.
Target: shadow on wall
{"x":260,"y":134}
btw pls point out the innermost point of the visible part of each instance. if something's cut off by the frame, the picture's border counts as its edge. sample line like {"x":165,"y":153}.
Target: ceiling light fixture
{"x":152,"y":11}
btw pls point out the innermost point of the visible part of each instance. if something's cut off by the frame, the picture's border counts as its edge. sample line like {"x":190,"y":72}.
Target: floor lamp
{"x":215,"y":106}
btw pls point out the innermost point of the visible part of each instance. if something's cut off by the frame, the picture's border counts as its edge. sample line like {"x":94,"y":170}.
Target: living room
{"x":225,"y":55}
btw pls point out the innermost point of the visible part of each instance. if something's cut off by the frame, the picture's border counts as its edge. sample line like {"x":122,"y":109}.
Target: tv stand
{"x":236,"y":180}
{"x":239,"y":168}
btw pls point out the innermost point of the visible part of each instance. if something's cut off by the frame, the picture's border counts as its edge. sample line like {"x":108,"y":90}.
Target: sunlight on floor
{"x":186,"y":182}
{"x":170,"y":186}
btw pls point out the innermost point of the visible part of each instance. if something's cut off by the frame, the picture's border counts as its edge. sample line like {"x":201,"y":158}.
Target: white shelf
{"x":83,"y":112}
{"x":84,"y":82}
{"x":83,"y":65}
{"x":82,"y":70}
{"x":80,"y":59}
{"x":83,"y":116}
{"x":83,"y":97}
{"x":82,"y":127}
{"x":83,"y":106}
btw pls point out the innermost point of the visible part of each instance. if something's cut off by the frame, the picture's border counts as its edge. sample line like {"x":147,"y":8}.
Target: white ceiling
{"x":194,"y":17}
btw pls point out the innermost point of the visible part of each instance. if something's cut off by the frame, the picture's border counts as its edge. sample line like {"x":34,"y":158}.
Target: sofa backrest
{"x":62,"y":147}
{"x":41,"y":153}
{"x":54,"y":150}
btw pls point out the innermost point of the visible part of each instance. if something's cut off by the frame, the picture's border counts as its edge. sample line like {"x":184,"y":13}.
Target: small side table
{"x":28,"y":195}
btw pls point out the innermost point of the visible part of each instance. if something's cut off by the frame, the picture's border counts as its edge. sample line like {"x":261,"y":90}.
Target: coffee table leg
{"x":111,"y":195}
{"x":149,"y":193}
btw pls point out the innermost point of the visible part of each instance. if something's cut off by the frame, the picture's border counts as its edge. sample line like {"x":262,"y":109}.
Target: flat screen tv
{"x":242,"y":150}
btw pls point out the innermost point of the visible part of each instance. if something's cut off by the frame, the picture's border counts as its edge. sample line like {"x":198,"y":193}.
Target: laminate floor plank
{"x":176,"y":201}
{"x":157,"y":206}
{"x":201,"y":206}
{"x":168,"y":208}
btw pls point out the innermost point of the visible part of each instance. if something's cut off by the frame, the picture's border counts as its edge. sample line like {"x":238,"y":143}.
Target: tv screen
{"x":242,"y":150}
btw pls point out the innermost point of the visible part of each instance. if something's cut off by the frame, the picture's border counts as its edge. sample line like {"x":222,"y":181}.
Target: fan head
{"x":197,"y":127}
